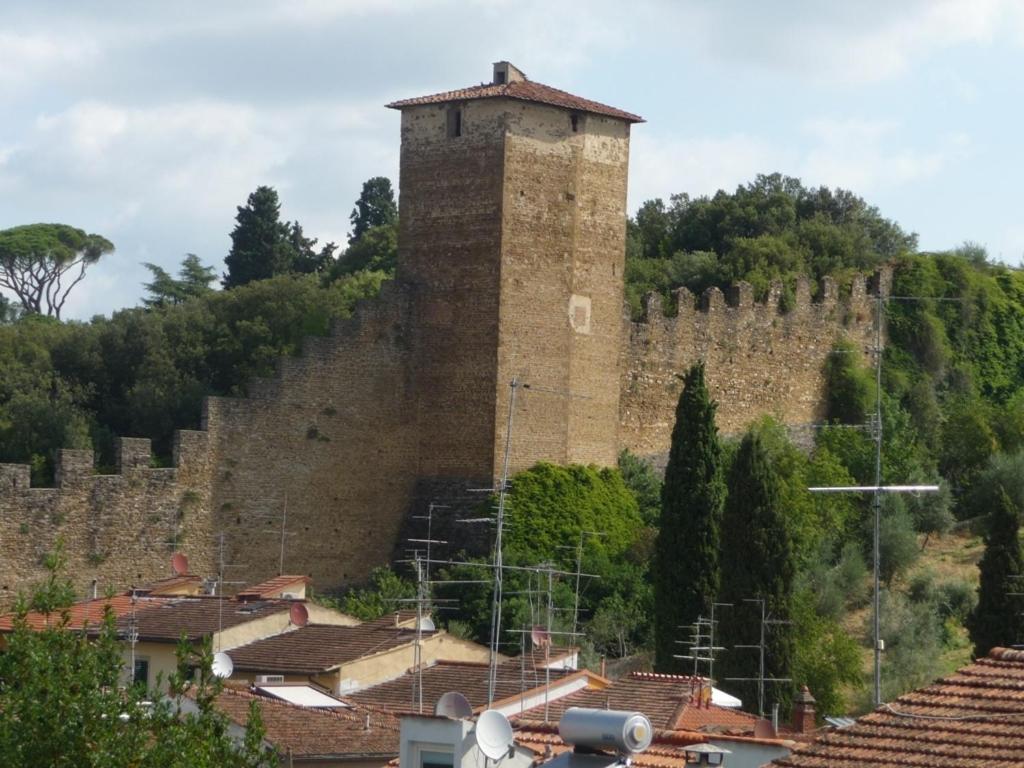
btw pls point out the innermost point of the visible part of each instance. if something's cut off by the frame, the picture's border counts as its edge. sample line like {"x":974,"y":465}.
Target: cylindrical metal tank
{"x":625,"y":732}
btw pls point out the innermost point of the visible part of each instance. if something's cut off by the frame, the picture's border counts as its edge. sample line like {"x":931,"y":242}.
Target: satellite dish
{"x":540,"y":636}
{"x":427,"y":624}
{"x":493,"y":734}
{"x":453,"y":705}
{"x":179,"y":564}
{"x":223,"y":666}
{"x":298,"y":614}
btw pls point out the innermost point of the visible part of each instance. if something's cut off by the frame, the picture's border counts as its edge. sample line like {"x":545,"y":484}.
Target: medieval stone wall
{"x":117,"y":530}
{"x":759,"y":359}
{"x":327,"y":449}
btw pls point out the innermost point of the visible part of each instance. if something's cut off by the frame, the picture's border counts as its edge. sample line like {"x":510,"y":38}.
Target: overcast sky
{"x":150,"y":122}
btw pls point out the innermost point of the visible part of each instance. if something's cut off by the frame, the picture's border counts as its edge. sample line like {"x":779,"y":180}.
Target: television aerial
{"x":223,"y":666}
{"x":179,"y":564}
{"x":298,"y":614}
{"x":454,"y":706}
{"x":494,"y":734}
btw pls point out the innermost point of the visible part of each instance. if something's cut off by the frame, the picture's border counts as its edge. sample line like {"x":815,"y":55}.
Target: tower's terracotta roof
{"x":523,"y":90}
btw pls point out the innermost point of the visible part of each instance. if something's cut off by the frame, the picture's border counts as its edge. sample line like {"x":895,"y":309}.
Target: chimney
{"x":505,"y":73}
{"x":803,"y":712}
{"x":604,"y":667}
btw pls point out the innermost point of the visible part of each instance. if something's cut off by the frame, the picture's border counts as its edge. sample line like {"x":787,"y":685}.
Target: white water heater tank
{"x":624,"y":732}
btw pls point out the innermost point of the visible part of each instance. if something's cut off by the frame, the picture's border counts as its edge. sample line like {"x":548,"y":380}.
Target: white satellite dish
{"x":453,"y":705}
{"x":427,"y":624}
{"x":223,"y":666}
{"x":493,"y":734}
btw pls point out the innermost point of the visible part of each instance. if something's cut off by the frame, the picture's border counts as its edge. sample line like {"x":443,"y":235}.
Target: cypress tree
{"x":758,"y":548}
{"x":686,"y":568}
{"x":260,"y":244}
{"x":997,"y":620}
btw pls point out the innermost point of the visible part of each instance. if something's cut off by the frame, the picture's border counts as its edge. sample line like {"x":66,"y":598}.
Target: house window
{"x":432,"y":759}
{"x":454,"y":122}
{"x":140,"y":675}
{"x":575,"y":121}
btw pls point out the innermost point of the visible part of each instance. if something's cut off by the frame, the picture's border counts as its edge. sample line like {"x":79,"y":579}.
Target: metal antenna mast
{"x":499,"y":527}
{"x":761,"y":646}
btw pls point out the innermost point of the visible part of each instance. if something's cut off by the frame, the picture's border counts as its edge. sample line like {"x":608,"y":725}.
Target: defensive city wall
{"x":510,"y":268}
{"x":328,"y":446}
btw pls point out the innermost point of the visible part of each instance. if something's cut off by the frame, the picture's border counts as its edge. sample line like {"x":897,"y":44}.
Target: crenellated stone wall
{"x":117,"y":530}
{"x":759,"y":358}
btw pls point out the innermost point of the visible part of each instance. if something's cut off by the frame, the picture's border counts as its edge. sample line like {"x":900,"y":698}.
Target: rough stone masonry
{"x":511,"y":257}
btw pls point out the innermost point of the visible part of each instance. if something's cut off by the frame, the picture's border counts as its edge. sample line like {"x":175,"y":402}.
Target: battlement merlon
{"x":75,"y":466}
{"x":740,"y":296}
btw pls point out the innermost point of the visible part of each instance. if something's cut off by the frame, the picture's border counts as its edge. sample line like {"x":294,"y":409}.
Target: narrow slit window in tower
{"x":454,"y":122}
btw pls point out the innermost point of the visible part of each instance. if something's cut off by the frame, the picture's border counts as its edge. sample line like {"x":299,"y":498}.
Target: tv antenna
{"x":881,"y":301}
{"x":761,"y":679}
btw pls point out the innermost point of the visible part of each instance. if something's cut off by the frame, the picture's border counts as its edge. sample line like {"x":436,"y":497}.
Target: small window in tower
{"x":454,"y":122}
{"x":499,"y":76}
{"x":575,"y":121}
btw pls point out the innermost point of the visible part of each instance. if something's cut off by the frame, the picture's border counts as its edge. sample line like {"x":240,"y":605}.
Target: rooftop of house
{"x":970,"y":719}
{"x":670,"y":702}
{"x":320,"y":647}
{"x":515,"y":85}
{"x":471,"y":679}
{"x":287,"y":587}
{"x":85,"y":613}
{"x":311,"y":734}
{"x":166,"y":620}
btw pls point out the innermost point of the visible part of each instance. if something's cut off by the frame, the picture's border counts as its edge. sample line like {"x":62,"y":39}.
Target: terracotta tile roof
{"x":318,"y":647}
{"x":87,"y":613}
{"x":523,"y":90}
{"x":272,"y":587}
{"x":160,"y":618}
{"x":316,"y":733}
{"x":668,"y":701}
{"x":468,"y":678}
{"x":972,"y":719}
{"x":196,"y":617}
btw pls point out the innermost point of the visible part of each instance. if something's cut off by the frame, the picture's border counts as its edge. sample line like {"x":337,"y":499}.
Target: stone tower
{"x":512,"y":243}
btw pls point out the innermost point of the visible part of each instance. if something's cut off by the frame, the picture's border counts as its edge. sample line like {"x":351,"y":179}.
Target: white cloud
{"x":863,"y":155}
{"x":699,"y":165}
{"x":26,"y":58}
{"x":162,"y":180}
{"x":866,"y":41}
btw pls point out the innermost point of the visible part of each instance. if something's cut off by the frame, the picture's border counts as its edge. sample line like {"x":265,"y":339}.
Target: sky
{"x":149,"y":123}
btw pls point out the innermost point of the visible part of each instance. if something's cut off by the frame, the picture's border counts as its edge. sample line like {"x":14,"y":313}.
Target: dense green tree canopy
{"x":998,"y":619}
{"x":374,"y":208}
{"x":686,"y":568}
{"x":41,"y":263}
{"x":193,"y":281}
{"x":261,"y":244}
{"x":771,"y":229}
{"x":64,"y":702}
{"x":756,"y":538}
